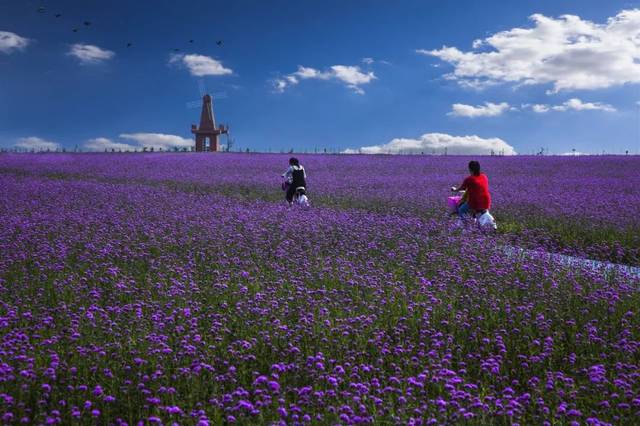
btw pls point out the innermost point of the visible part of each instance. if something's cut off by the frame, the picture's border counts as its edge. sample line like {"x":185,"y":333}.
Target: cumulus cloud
{"x":438,"y":142}
{"x":568,"y":52}
{"x":201,"y":65}
{"x":89,"y":54}
{"x":158,"y":140}
{"x":352,"y":76}
{"x":489,"y":109}
{"x":573,"y":104}
{"x":100,"y":144}
{"x":36,"y":144}
{"x":10,"y":42}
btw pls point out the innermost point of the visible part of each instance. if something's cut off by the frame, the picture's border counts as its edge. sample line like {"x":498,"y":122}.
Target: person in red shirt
{"x":477,"y":198}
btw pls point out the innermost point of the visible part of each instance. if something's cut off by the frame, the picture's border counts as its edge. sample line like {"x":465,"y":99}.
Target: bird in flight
{"x":219,"y":43}
{"x":87,"y":23}
{"x":57,"y":15}
{"x":75,"y":30}
{"x":190,"y":41}
{"x":129,"y":44}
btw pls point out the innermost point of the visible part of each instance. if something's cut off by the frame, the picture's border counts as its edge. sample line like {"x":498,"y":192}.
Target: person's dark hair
{"x":293,"y":161}
{"x":474,"y":167}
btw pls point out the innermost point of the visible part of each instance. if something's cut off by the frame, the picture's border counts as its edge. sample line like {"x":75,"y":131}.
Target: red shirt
{"x":477,"y":188}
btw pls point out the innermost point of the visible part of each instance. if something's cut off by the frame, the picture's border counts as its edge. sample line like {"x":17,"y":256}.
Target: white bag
{"x":303,"y":201}
{"x":487,"y":221}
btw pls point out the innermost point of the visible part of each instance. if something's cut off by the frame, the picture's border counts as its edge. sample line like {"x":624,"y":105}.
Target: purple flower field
{"x":584,"y":206}
{"x":178,"y":288}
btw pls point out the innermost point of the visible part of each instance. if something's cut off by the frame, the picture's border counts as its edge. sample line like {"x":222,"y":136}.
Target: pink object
{"x":452,"y":202}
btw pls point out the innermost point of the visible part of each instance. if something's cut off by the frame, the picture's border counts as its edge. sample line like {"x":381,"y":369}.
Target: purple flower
{"x":274,"y":386}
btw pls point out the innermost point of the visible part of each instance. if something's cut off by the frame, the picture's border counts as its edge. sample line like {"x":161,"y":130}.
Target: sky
{"x":461,"y":77}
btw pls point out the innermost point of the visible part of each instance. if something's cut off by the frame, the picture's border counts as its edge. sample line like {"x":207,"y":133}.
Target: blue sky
{"x":374,"y":74}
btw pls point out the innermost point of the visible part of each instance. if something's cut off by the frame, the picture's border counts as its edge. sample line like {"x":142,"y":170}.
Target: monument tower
{"x":207,"y":129}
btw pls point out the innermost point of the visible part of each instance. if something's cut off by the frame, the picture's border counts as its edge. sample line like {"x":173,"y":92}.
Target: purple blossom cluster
{"x":131,"y":296}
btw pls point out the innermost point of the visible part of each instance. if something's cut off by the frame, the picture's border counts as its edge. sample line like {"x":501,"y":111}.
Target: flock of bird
{"x":43,"y":10}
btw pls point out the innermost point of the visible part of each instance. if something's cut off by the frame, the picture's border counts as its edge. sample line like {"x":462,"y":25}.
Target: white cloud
{"x":371,"y":61}
{"x":577,"y":105}
{"x":573,"y":104}
{"x":568,"y":52}
{"x":12,"y":41}
{"x":477,"y":43}
{"x":280,"y":85}
{"x":100,"y":144}
{"x":158,"y":140}
{"x":352,"y":76}
{"x":489,"y":109}
{"x":36,"y":143}
{"x":540,"y":108}
{"x":438,"y":142}
{"x":307,"y":72}
{"x":89,"y":54}
{"x":201,"y":65}
{"x":140,"y":140}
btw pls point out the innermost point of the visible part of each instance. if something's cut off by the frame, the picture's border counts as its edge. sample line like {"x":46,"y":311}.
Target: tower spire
{"x":207,"y":121}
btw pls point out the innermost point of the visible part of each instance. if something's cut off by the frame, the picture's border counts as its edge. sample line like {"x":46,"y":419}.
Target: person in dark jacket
{"x":295,"y":177}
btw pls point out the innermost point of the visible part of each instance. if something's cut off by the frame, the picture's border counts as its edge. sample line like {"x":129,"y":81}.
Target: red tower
{"x":207,"y":129}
